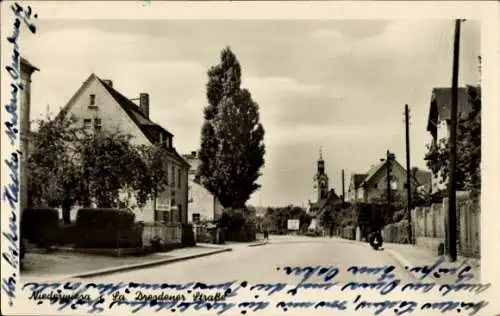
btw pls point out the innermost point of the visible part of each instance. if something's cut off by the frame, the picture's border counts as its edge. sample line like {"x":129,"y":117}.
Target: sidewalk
{"x":65,"y":265}
{"x":413,"y":256}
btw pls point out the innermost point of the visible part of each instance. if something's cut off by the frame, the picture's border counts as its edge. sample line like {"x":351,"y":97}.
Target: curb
{"x":212,"y":246}
{"x":141,"y":265}
{"x":405,"y":263}
{"x":258,"y":244}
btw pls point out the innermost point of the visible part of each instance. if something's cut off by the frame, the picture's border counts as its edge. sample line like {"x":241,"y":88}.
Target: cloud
{"x":337,"y":84}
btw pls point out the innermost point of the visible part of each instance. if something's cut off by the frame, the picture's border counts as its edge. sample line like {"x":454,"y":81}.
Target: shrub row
{"x":94,"y":228}
{"x":40,"y":226}
{"x":107,"y":228}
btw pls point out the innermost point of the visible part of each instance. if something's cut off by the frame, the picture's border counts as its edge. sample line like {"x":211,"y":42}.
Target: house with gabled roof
{"x":438,"y":122}
{"x":203,"y":205}
{"x":355,"y":191}
{"x":97,"y":105}
{"x":371,"y":186}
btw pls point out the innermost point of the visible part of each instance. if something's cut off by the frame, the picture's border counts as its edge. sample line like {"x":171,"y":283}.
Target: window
{"x":87,"y":123}
{"x":161,"y":138}
{"x":179,"y":178}
{"x":405,"y":186}
{"x":196,"y":218}
{"x":173,"y":176}
{"x":394,"y":185}
{"x":92,"y":101}
{"x":375,"y":185}
{"x":97,"y":124}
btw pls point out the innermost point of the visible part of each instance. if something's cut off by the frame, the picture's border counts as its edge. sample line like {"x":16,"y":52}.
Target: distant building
{"x":438,"y":123}
{"x":321,"y":183}
{"x":99,"y":106}
{"x":27,"y":69}
{"x":355,"y":191}
{"x":372,"y":186}
{"x":203,"y":206}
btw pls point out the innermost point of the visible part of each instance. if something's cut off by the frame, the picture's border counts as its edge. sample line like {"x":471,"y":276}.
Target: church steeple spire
{"x":321,"y":162}
{"x":321,"y":179}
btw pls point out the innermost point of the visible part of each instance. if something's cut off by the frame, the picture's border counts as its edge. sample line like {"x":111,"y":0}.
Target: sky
{"x":337,"y":84}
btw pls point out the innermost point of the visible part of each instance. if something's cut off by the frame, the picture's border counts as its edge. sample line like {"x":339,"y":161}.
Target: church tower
{"x":321,"y":179}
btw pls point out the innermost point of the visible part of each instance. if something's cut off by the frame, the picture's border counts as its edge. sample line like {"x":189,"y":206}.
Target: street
{"x":259,"y":264}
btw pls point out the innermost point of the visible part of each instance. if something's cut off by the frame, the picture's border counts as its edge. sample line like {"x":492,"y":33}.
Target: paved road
{"x":258,"y":264}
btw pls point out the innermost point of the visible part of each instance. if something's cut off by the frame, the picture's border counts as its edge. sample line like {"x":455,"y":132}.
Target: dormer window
{"x":92,"y":104}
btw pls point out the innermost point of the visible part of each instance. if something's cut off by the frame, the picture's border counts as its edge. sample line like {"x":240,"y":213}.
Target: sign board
{"x":293,"y":224}
{"x":163,"y":202}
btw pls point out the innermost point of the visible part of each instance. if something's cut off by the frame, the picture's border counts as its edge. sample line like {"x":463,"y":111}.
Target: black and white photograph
{"x":163,"y":150}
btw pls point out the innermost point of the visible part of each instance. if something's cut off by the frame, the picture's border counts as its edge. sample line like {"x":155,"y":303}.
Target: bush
{"x":105,"y":218}
{"x":238,"y":225}
{"x":107,"y":228}
{"x":187,"y":236}
{"x":40,"y":226}
{"x":349,"y":232}
{"x":314,"y":233}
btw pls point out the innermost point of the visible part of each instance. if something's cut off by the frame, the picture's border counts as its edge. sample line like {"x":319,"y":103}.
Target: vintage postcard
{"x":240,"y":158}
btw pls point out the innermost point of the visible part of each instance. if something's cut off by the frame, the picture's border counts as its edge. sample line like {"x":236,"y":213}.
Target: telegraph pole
{"x":452,"y":213}
{"x":343,"y":187}
{"x":388,"y":162}
{"x":408,"y":172}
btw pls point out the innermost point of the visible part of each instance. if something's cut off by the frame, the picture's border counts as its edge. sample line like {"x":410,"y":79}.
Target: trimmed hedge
{"x":40,"y":226}
{"x":107,"y":228}
{"x":105,"y":218}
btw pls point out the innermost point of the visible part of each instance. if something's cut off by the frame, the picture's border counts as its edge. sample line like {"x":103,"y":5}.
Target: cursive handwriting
{"x":22,"y":16}
{"x":383,"y":287}
{"x":399,"y":307}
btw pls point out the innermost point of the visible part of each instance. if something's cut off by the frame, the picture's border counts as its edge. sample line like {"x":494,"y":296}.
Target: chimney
{"x":193,"y":153}
{"x":144,"y":103}
{"x":108,"y":82}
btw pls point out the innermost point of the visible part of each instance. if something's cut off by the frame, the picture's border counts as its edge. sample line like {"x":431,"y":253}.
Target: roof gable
{"x":357,"y":179}
{"x":149,"y":129}
{"x":440,"y":107}
{"x":377,"y":169}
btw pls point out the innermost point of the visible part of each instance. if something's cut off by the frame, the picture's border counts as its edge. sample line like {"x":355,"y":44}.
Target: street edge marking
{"x":141,"y":265}
{"x":405,"y":263}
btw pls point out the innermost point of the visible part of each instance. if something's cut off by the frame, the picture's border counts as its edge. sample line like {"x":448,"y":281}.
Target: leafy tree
{"x":468,"y":172}
{"x":277,"y":218}
{"x":155,"y":178}
{"x":53,"y":172}
{"x":104,"y":178}
{"x":68,"y":166}
{"x":232,"y":149}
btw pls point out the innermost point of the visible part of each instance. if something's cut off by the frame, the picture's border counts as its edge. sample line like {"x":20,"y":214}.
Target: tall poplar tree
{"x":232,"y":149}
